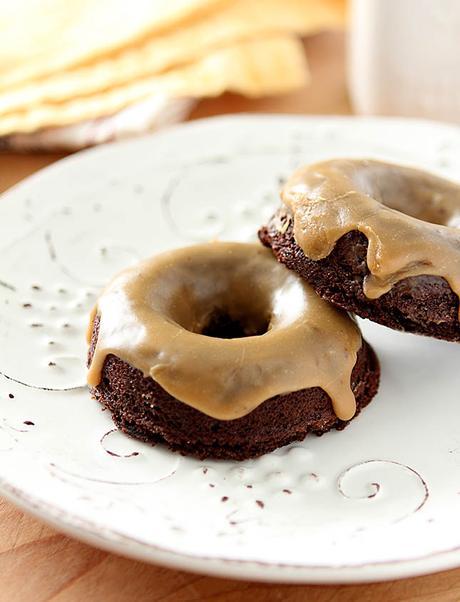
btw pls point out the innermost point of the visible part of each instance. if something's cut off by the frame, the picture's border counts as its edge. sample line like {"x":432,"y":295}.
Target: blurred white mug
{"x":404,"y":58}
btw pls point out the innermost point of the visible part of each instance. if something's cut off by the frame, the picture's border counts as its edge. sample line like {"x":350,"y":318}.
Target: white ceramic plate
{"x":376,"y":501}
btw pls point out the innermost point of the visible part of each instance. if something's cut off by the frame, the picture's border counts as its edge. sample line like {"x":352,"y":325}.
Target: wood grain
{"x":38,"y":564}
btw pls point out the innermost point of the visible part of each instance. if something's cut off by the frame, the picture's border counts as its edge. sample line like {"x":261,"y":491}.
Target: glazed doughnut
{"x":376,"y":239}
{"x":218,"y":350}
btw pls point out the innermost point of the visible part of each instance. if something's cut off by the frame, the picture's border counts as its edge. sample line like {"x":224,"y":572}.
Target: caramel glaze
{"x":153,"y":315}
{"x":410,"y":218}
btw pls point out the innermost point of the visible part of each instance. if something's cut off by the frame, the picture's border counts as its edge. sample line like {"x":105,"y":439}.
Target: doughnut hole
{"x":228,"y":309}
{"x":227,"y":298}
{"x":411,"y":193}
{"x":222,"y":325}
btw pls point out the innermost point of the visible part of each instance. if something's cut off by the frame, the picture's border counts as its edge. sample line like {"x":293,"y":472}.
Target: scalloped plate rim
{"x":118,"y":543}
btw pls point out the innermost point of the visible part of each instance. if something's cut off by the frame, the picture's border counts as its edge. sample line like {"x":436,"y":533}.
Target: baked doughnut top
{"x":410,"y":218}
{"x":223,"y":327}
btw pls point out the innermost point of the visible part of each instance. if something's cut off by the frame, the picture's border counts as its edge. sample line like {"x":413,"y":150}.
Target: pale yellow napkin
{"x":75,"y":61}
{"x":39,"y":37}
{"x":256,"y":67}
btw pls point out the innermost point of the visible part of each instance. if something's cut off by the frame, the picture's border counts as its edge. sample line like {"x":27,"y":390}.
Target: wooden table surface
{"x":37,"y":563}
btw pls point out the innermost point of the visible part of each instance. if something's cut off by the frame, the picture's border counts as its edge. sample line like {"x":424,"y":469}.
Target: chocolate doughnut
{"x":376,"y":239}
{"x":219,"y":351}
